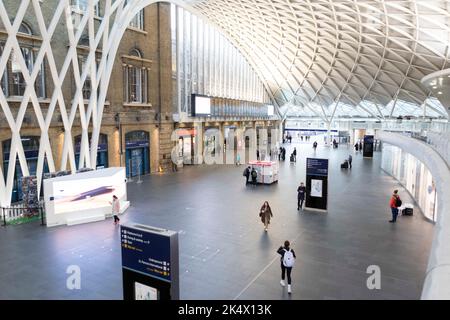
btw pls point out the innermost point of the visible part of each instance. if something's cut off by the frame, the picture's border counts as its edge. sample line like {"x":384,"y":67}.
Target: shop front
{"x":210,"y":142}
{"x":31,"y":150}
{"x":230,"y":132}
{"x":186,"y":144}
{"x":414,"y":176}
{"x":137,"y":153}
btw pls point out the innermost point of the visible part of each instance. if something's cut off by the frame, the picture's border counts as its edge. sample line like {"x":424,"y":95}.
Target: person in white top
{"x":115,"y":209}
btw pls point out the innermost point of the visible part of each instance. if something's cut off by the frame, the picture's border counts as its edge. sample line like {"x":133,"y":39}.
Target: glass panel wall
{"x":207,"y":63}
{"x":414,"y":176}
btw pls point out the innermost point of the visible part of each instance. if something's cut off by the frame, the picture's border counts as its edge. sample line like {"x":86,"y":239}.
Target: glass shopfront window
{"x":102,"y":151}
{"x":137,"y":156}
{"x":31,"y":150}
{"x":414,"y":176}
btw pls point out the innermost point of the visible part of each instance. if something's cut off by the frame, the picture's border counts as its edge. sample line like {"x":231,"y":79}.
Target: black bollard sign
{"x":316,"y":184}
{"x":368,"y":147}
{"x":149,"y":263}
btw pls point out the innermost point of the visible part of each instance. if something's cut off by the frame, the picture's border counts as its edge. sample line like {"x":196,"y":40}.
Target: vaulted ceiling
{"x":341,"y":57}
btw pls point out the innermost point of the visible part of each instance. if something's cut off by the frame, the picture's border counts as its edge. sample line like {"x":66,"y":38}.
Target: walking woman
{"x":265,"y":213}
{"x":287,"y":262}
{"x":115,"y":209}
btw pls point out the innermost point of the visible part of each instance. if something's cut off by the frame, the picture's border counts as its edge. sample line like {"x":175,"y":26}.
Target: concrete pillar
{"x":328,"y":135}
{"x":115,"y":159}
{"x":221,"y":143}
{"x":165,"y":146}
{"x":254,"y":138}
{"x":240,"y":140}
{"x":155,"y":149}
{"x":352,"y":136}
{"x":199,"y":142}
{"x":280,"y":132}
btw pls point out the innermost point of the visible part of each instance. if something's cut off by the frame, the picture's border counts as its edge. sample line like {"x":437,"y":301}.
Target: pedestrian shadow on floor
{"x":265,"y":241}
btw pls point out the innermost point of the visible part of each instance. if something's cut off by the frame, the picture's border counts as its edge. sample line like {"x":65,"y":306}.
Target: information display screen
{"x":146,"y":252}
{"x":316,"y":167}
{"x":201,"y":105}
{"x":316,"y":183}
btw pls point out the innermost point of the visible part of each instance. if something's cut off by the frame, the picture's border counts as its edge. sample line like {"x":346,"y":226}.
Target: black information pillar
{"x":150,"y":269}
{"x":316,"y":184}
{"x":368,"y":146}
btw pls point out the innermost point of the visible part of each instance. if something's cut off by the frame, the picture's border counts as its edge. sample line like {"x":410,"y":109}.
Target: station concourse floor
{"x":224,"y":251}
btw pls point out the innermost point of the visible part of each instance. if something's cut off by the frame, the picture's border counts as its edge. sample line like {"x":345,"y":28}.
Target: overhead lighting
{"x":435,"y":87}
{"x":439,"y":92}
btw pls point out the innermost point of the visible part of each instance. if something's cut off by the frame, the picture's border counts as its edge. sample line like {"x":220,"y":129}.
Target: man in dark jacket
{"x":301,"y":191}
{"x":247,"y":174}
{"x":254,"y":176}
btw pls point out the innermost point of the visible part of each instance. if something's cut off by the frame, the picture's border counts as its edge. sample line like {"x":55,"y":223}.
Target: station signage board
{"x":150,"y":267}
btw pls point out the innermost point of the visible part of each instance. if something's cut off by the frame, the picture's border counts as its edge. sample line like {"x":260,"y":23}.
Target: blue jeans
{"x":394,"y":214}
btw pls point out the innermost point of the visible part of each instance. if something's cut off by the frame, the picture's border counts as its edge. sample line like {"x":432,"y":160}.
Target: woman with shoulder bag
{"x":265,"y":214}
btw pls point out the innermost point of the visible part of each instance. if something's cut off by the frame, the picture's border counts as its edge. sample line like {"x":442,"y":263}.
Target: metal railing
{"x":21,"y":213}
{"x":415,"y":126}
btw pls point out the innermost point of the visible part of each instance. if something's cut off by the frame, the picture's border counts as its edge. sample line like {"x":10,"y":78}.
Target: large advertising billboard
{"x":85,"y":196}
{"x":78,"y":195}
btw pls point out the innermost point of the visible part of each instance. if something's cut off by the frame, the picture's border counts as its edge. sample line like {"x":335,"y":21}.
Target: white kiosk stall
{"x":84,"y":197}
{"x":267,"y":171}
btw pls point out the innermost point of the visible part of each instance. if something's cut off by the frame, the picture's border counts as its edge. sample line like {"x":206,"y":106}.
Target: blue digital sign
{"x":368,"y":139}
{"x":146,"y":251}
{"x":316,"y":167}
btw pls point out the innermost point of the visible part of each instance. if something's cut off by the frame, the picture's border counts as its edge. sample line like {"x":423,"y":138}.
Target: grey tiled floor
{"x":224,"y":252}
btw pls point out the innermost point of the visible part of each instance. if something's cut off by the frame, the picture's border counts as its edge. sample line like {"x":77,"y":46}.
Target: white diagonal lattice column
{"x":116,"y":18}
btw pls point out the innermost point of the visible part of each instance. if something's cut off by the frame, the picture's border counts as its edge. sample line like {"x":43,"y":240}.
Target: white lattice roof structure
{"x":341,"y":57}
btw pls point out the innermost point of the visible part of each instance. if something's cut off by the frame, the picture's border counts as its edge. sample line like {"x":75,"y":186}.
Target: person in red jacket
{"x":394,"y":203}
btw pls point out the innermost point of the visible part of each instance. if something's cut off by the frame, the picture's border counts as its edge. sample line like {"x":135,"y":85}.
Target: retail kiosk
{"x":267,"y":171}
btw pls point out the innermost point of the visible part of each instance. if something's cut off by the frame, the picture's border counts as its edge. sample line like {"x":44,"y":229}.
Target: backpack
{"x":245,"y":172}
{"x":398,"y":202}
{"x":254,"y":174}
{"x":288,"y":258}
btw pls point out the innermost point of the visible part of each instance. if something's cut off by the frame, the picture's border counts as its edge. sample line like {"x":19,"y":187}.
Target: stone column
{"x":199,"y":142}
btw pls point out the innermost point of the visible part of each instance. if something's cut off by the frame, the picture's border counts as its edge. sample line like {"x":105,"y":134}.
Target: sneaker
{"x":289,"y":288}
{"x":282,"y":283}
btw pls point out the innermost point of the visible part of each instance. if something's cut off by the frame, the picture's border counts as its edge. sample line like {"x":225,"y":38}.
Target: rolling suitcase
{"x":408,"y":211}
